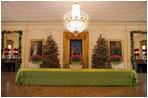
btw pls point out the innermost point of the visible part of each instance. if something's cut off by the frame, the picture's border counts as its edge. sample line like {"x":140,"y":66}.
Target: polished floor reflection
{"x":10,"y":89}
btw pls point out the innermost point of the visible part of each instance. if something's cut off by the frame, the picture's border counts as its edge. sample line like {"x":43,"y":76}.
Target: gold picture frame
{"x":66,"y":48}
{"x":115,"y":47}
{"x":36,"y":46}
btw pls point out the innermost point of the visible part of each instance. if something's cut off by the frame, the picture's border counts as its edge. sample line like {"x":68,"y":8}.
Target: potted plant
{"x":6,"y":55}
{"x":15,"y":55}
{"x":76,"y":60}
{"x":36,"y":59}
{"x":15,"y":49}
{"x":115,"y":60}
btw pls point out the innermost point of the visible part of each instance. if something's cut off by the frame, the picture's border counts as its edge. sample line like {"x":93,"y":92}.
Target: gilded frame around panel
{"x":30,"y":44}
{"x":121,"y":45}
{"x":66,"y":47}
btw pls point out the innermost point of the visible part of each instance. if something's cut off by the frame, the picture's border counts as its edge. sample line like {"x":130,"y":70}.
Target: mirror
{"x":12,"y":43}
{"x":140,"y":46}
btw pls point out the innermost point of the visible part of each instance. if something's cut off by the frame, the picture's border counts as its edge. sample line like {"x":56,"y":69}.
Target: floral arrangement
{"x":36,"y":59}
{"x":6,"y":49}
{"x":115,"y":60}
{"x":15,"y":53}
{"x":15,"y":49}
{"x":5,"y":53}
{"x":137,"y":54}
{"x":76,"y":59}
{"x":136,"y":49}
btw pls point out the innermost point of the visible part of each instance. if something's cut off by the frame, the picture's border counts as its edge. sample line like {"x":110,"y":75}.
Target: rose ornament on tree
{"x":115,"y":60}
{"x":76,"y":60}
{"x":36,"y":59}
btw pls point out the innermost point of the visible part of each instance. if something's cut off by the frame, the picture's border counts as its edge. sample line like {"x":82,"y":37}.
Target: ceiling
{"x":53,"y":11}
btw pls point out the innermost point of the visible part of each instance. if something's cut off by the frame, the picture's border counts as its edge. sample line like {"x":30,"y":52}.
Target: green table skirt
{"x":82,"y":77}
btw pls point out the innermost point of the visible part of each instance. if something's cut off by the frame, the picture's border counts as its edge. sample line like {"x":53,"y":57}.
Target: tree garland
{"x":132,"y":46}
{"x":19,"y":47}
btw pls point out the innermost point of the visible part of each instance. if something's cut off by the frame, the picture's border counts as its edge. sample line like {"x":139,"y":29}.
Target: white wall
{"x":109,"y":30}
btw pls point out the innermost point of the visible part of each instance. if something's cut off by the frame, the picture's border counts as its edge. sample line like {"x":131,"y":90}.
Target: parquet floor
{"x":9,"y":89}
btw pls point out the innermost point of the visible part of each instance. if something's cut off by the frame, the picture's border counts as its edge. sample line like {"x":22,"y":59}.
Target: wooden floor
{"x":9,"y":89}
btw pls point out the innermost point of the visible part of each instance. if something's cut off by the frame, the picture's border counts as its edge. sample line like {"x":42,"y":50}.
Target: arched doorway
{"x":66,"y":48}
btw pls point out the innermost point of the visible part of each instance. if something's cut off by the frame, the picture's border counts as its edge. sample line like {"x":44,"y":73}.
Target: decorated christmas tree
{"x":50,"y":54}
{"x":101,"y":54}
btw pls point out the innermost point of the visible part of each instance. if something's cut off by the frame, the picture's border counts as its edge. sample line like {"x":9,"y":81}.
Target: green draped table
{"x":81,"y":77}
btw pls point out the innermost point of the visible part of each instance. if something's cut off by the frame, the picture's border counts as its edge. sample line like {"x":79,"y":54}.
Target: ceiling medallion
{"x":76,"y":21}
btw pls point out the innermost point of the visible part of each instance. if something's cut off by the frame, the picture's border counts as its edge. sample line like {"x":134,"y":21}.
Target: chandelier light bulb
{"x":76,"y":21}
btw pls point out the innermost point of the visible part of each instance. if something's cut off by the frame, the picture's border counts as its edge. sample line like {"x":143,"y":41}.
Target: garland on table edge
{"x":132,"y":46}
{"x":19,"y":47}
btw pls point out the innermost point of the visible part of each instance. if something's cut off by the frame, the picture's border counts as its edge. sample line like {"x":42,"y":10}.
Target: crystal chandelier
{"x":75,"y":21}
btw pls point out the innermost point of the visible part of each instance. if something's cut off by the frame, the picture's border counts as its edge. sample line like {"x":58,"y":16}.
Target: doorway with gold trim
{"x":66,"y":48}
